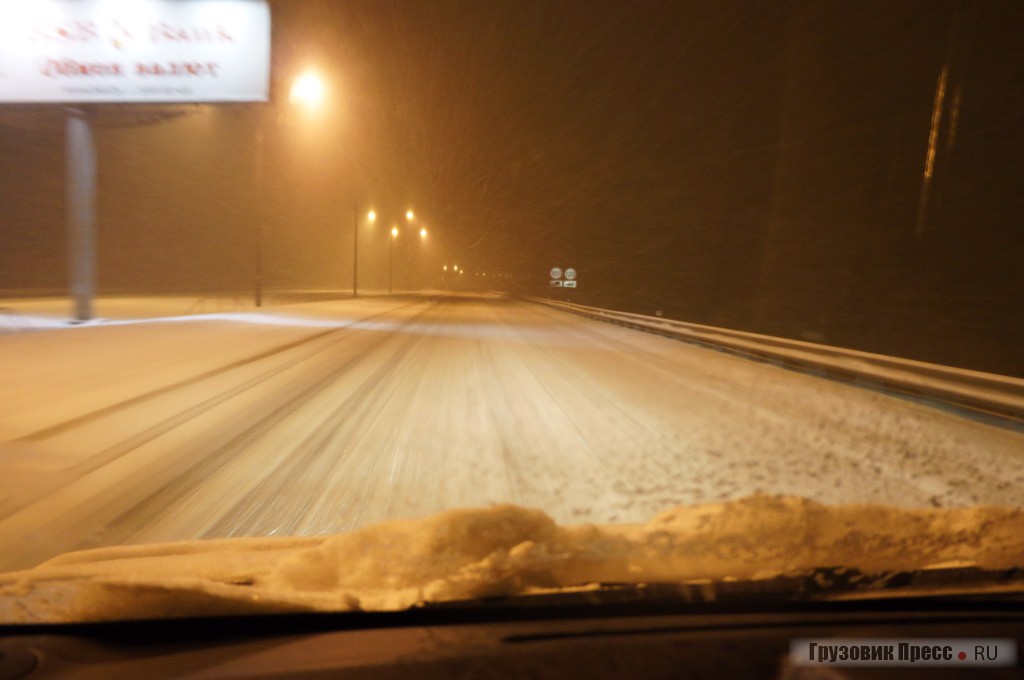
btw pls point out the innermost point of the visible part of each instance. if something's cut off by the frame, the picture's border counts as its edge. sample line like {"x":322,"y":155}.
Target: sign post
{"x":81,"y":197}
{"x":557,"y":274}
{"x":140,"y":52}
{"x":556,"y":277}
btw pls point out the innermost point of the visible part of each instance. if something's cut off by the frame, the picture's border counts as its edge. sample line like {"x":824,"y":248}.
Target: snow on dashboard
{"x":501,"y":550}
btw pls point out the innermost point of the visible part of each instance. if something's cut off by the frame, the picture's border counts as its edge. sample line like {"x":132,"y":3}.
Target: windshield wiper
{"x":823,"y":584}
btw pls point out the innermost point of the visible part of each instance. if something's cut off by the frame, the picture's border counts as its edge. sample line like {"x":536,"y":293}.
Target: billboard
{"x":143,"y":51}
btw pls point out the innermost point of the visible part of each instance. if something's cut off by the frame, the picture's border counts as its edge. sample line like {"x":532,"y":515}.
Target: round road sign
{"x":556,"y":273}
{"x":570,"y":273}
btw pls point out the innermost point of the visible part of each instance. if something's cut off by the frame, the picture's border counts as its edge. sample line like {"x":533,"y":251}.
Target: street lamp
{"x":371,"y":217}
{"x":307,"y":90}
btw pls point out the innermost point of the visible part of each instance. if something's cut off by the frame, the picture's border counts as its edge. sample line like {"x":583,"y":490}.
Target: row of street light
{"x":372,"y":217}
{"x":309,"y":91}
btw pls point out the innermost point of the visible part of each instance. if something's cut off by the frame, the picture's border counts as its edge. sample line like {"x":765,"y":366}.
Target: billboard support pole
{"x":81,"y":209}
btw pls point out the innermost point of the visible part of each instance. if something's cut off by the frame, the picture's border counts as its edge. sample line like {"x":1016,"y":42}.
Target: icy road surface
{"x":324,"y":417}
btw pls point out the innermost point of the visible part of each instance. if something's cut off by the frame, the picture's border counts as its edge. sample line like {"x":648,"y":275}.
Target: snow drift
{"x":501,"y":550}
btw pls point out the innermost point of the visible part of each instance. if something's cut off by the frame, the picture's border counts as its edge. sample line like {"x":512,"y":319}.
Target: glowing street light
{"x":395,"y":232}
{"x":308,"y":89}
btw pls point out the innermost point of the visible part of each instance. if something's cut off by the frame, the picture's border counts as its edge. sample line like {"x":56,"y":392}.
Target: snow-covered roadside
{"x":52,"y":377}
{"x":982,"y":392}
{"x":501,"y":550}
{"x":56,"y":312}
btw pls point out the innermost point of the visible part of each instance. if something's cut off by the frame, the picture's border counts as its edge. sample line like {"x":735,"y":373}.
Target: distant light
{"x":308,"y":90}
{"x":446,"y":267}
{"x":372,"y":216}
{"x":408,"y":215}
{"x":394,"y":231}
{"x":423,"y":232}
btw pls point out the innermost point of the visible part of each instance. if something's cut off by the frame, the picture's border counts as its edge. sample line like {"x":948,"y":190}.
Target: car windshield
{"x":677,"y":289}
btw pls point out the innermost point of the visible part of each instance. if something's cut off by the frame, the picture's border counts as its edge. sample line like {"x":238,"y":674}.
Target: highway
{"x":322,"y":417}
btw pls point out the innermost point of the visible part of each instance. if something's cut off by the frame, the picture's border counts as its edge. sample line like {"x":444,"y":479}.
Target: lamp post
{"x":391,"y":255}
{"x":307,"y":91}
{"x":372,"y":217}
{"x":409,"y":216}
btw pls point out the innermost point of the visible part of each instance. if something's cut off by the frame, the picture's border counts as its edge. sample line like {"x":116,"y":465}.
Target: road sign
{"x":569,"y":284}
{"x":556,"y":273}
{"x":557,"y":284}
{"x":140,"y":51}
{"x":570,"y":273}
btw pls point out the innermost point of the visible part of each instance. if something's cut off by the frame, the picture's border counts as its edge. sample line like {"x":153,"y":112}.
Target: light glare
{"x":308,"y":90}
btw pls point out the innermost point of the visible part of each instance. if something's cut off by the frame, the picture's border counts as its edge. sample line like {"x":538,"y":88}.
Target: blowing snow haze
{"x":847,"y":173}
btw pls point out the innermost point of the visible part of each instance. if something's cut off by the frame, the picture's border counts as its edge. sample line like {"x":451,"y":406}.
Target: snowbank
{"x":501,"y":550}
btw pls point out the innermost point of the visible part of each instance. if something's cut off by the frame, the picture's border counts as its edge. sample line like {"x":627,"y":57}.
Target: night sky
{"x":755,"y":165}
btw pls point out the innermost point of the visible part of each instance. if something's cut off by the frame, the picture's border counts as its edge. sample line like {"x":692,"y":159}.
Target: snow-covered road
{"x":323,"y":417}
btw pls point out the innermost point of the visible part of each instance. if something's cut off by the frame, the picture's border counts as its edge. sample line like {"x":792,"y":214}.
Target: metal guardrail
{"x":985,"y":393}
